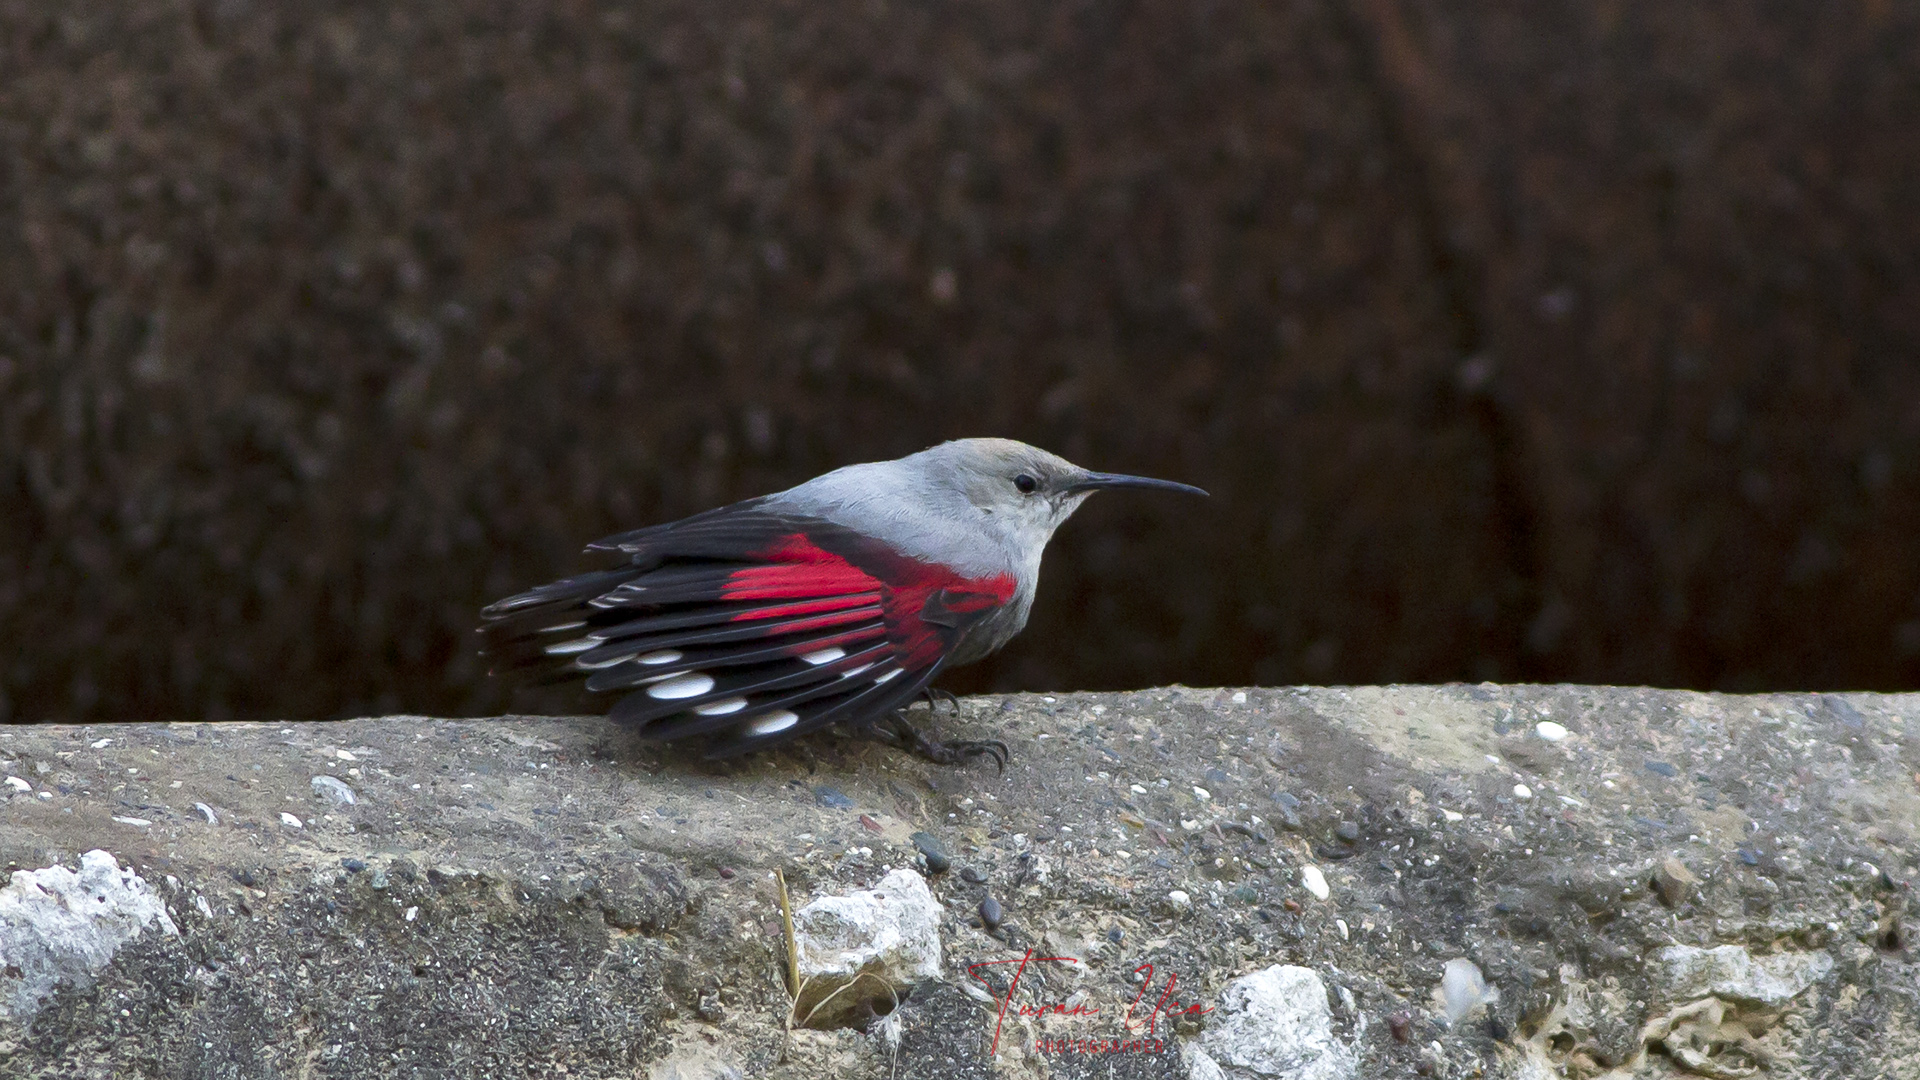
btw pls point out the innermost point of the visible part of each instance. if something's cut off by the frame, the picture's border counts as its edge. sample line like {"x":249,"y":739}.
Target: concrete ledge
{"x":1653,"y":883}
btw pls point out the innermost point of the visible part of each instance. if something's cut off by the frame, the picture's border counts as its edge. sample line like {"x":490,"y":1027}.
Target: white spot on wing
{"x":887,"y":676}
{"x":721,"y":707}
{"x":574,"y":646}
{"x":564,"y":626}
{"x":779,"y":720}
{"x":664,"y":656}
{"x":824,"y":656}
{"x":855,"y":671}
{"x":692,"y":684}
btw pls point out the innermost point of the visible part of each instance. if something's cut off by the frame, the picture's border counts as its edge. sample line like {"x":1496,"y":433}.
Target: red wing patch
{"x":908,"y":587}
{"x":783,"y":580}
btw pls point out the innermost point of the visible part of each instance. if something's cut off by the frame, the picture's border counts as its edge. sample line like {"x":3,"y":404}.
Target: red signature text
{"x":1163,"y":1005}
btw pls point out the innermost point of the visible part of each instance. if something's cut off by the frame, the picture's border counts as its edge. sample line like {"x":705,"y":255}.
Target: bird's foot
{"x":897,"y":732}
{"x":955,"y":751}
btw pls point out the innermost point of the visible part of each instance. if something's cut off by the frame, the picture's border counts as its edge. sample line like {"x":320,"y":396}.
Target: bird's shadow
{"x":833,"y":752}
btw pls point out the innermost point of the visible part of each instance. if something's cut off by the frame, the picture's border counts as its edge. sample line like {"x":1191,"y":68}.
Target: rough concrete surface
{"x":1652,"y":884}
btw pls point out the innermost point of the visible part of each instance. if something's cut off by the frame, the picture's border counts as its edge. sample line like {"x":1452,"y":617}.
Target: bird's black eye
{"x":1025,"y":484}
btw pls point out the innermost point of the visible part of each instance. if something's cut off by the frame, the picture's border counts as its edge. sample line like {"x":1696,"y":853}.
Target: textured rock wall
{"x":1557,"y":340}
{"x":1516,"y":882}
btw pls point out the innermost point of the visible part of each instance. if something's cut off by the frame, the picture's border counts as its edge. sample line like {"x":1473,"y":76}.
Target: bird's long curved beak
{"x":1093,"y":481}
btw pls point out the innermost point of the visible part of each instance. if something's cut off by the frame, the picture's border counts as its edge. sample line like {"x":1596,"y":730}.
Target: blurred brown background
{"x":1564,"y":340}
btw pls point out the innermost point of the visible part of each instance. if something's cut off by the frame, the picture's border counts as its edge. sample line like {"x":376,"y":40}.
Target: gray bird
{"x":836,"y":601}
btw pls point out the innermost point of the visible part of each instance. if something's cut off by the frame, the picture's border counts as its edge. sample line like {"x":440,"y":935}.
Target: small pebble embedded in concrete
{"x":827,"y":795}
{"x":290,"y":821}
{"x":1315,"y":882}
{"x":1522,"y":792}
{"x":990,"y":913}
{"x":1550,"y":731}
{"x":930,"y":848}
{"x":334,"y":790}
{"x":1673,"y":881}
{"x":1463,"y":989}
{"x":1180,"y":900}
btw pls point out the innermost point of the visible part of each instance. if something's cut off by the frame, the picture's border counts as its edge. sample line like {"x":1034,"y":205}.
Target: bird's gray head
{"x":980,"y":506}
{"x":1021,"y":491}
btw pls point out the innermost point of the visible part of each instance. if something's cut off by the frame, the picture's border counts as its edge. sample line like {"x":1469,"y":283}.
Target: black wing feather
{"x":873,"y":700}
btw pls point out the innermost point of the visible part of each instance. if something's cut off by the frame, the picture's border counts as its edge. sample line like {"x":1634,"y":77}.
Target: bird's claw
{"x":935,"y":695}
{"x":955,"y":751}
{"x":900,"y":733}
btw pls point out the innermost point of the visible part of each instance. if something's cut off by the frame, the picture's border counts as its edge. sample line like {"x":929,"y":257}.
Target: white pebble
{"x":139,"y":821}
{"x":1180,"y":900}
{"x":1239,"y":697}
{"x":1463,"y":989}
{"x":1452,"y":815}
{"x":1202,"y":794}
{"x":18,"y":784}
{"x":1315,"y":882}
{"x":290,"y":821}
{"x":1522,"y":791}
{"x":334,"y":790}
{"x":1550,"y":731}
{"x":101,"y":744}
